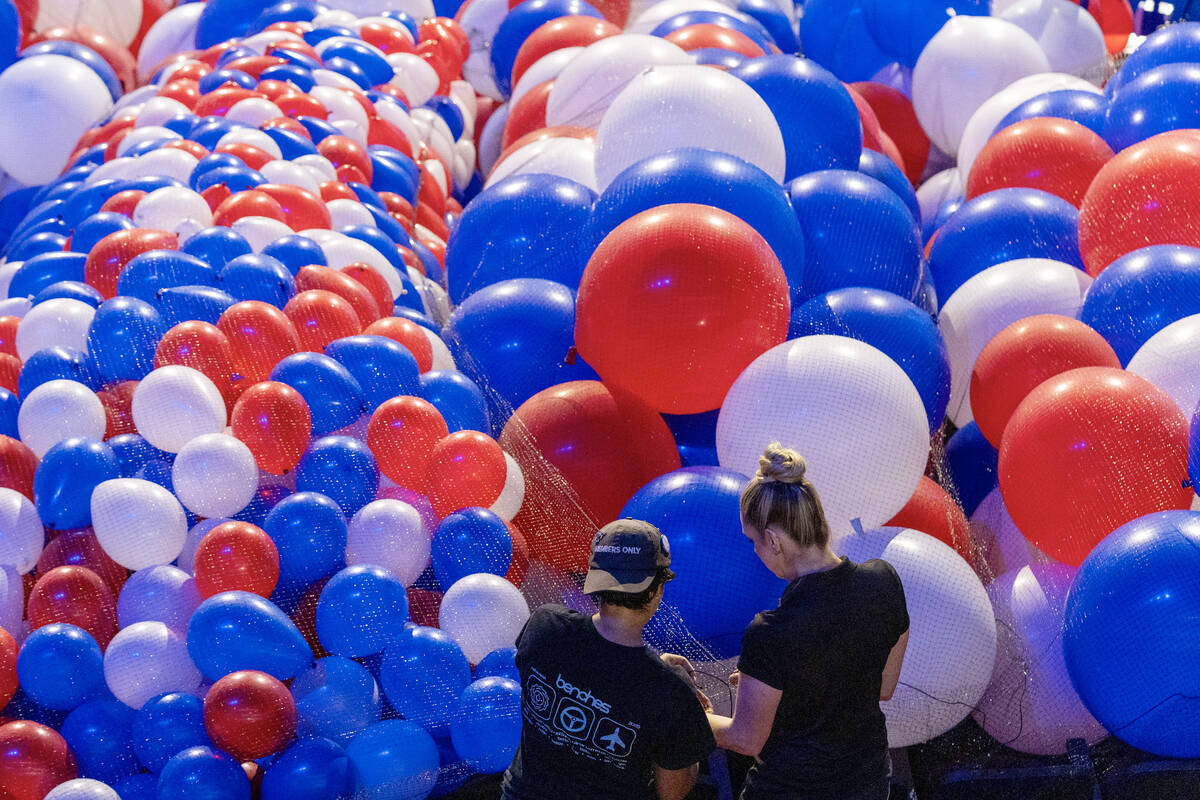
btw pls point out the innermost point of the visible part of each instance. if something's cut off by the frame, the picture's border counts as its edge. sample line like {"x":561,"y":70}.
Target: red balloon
{"x":552,"y":132}
{"x":253,"y":157}
{"x":343,"y":151}
{"x":287,"y":124}
{"x":8,"y":334}
{"x":249,"y":714}
{"x":382,"y":132}
{"x":424,"y":606}
{"x":518,"y":567}
{"x":305,"y":617}
{"x":188,"y":146}
{"x":75,"y":595}
{"x":1024,"y":355}
{"x":8,"y":667}
{"x":27,"y":11}
{"x":1144,"y":195}
{"x":151,"y":11}
{"x":336,"y":190}
{"x":201,"y":346}
{"x":585,"y":448}
{"x":645,"y":317}
{"x":466,"y":468}
{"x":896,"y":117}
{"x":33,"y":760}
{"x":236,"y":556}
{"x":870,"y":123}
{"x":215,"y":195}
{"x":185,"y":91}
{"x":259,"y":337}
{"x":302,"y":209}
{"x":81,"y":548}
{"x":407,"y":333}
{"x":572,"y":31}
{"x":345,"y":287}
{"x":218,"y":102}
{"x":110,"y":255}
{"x":273,"y":420}
{"x":321,"y":317}
{"x":931,"y":510}
{"x":17,"y":465}
{"x":250,"y":203}
{"x":401,"y":435}
{"x":123,"y":202}
{"x":117,"y":399}
{"x":1055,"y":155}
{"x":1088,"y":451}
{"x":118,"y":57}
{"x":702,"y":35}
{"x":254,"y":66}
{"x":528,"y":114}
{"x":10,"y":371}
{"x":388,"y":38}
{"x":370,"y":279}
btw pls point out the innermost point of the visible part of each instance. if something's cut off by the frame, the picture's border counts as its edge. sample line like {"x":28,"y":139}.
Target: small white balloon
{"x":344,"y":212}
{"x":174,"y":404}
{"x":167,"y":162}
{"x":442,"y":359}
{"x":61,"y":322}
{"x":162,"y":593}
{"x":164,"y":209}
{"x":513,"y":494}
{"x":482,"y":612}
{"x":414,"y":76}
{"x":83,"y":789}
{"x":260,"y":231}
{"x":15,"y":307}
{"x":390,"y":534}
{"x":138,"y":523}
{"x":340,"y":105}
{"x":12,"y":602}
{"x":149,"y":133}
{"x":944,"y":187}
{"x":253,"y":111}
{"x":58,"y":410}
{"x":215,"y":475}
{"x":148,"y":659}
{"x":253,"y":137}
{"x":288,"y":173}
{"x":21,"y":533}
{"x":187,"y":555}
{"x":158,"y":110}
{"x":1168,"y":360}
{"x":546,"y":68}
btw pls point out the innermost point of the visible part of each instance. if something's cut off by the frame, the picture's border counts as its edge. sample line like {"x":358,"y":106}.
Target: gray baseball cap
{"x":626,"y":555}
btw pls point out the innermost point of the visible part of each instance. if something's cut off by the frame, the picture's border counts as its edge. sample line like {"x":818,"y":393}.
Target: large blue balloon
{"x":258,"y":277}
{"x":60,"y":666}
{"x":166,"y":725}
{"x":1087,"y":108}
{"x":458,"y":398}
{"x":819,"y":121}
{"x":1000,"y":226}
{"x":1131,"y":633}
{"x":217,"y":246}
{"x":233,"y":631}
{"x":182,"y":303}
{"x":383,"y":367}
{"x":884,"y":170}
{"x":309,"y":531}
{"x":203,"y":773}
{"x":100,"y":734}
{"x":892,"y":324}
{"x":65,"y":478}
{"x":57,"y":363}
{"x":692,"y":175}
{"x":311,"y":769}
{"x":1162,"y":99}
{"x":468,"y":541}
{"x":45,"y":269}
{"x":343,"y":469}
{"x":1172,"y":44}
{"x":335,"y":699}
{"x":836,"y":36}
{"x":89,"y":232}
{"x":122,"y":338}
{"x":422,"y":675}
{"x":774,"y":21}
{"x":487,"y":726}
{"x":392,"y":753}
{"x":295,"y":251}
{"x":857,"y":232}
{"x":696,"y":508}
{"x":147,"y":273}
{"x":972,"y":463}
{"x":500,"y":663}
{"x":334,"y":397}
{"x":525,"y":226}
{"x":1141,"y":293}
{"x":71,"y":290}
{"x":902,"y":28}
{"x":361,"y":611}
{"x":523,"y":20}
{"x":695,"y":437}
{"x":228,"y":19}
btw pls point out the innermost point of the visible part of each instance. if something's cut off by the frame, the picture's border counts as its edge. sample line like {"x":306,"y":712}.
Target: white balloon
{"x":214,"y":475}
{"x":334,"y":16}
{"x":513,"y":494}
{"x":417,"y":9}
{"x":652,"y":14}
{"x":1168,"y":359}
{"x":564,"y":156}
{"x":21,"y":532}
{"x":61,"y":322}
{"x":138,"y":523}
{"x":162,"y":593}
{"x":544,"y":69}
{"x":321,"y":166}
{"x":83,"y":789}
{"x":148,"y":133}
{"x":332,"y":80}
{"x":482,"y":612}
{"x":414,"y":77}
{"x":58,"y":410}
{"x":390,"y":534}
{"x":288,"y":173}
{"x":49,"y":102}
{"x":442,"y":359}
{"x":7,"y":270}
{"x":253,"y":111}
{"x":174,"y":404}
{"x":15,"y":307}
{"x":434,"y":131}
{"x":1069,"y":36}
{"x":998,"y":543}
{"x":341,"y":251}
{"x":166,"y":208}
{"x":587,"y":86}
{"x":991,"y":301}
{"x":12,"y":602}
{"x":148,"y":659}
{"x":965,"y":63}
{"x":491,"y":140}
{"x":344,"y":211}
{"x":187,"y":555}
{"x":847,"y":408}
{"x":117,"y":19}
{"x":260,"y":231}
{"x":340,"y":105}
{"x":251,"y":136}
{"x":168,"y":163}
{"x":687,"y":106}
{"x":391,"y":111}
{"x":945,"y":187}
{"x":481,"y":20}
{"x":939,"y":682}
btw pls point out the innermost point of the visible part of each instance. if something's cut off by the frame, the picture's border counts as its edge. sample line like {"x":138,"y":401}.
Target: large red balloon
{"x":17,"y":465}
{"x":1058,"y":156}
{"x":407,"y":333}
{"x":117,"y":399}
{"x":676,"y":302}
{"x":528,"y":114}
{"x":273,"y":420}
{"x":1144,"y":195}
{"x":1022,"y":356}
{"x":1088,"y":451}
{"x":110,"y":255}
{"x":931,"y":510}
{"x":321,"y":317}
{"x":466,"y":468}
{"x":571,"y":31}
{"x":894,"y":111}
{"x":249,"y":714}
{"x":81,"y":548}
{"x":352,"y":291}
{"x":370,"y":279}
{"x":585,"y":449}
{"x":401,"y":435}
{"x":201,"y":346}
{"x":75,"y":595}
{"x":236,"y":556}
{"x":8,"y":667}
{"x":259,"y":337}
{"x":33,"y":760}
{"x":302,"y":209}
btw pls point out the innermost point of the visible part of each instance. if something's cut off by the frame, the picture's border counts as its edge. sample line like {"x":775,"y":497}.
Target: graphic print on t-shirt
{"x":572,"y":717}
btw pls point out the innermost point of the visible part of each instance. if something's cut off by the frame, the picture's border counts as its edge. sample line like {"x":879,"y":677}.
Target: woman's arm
{"x":891,"y":670}
{"x":675,"y":784}
{"x":747,"y":731}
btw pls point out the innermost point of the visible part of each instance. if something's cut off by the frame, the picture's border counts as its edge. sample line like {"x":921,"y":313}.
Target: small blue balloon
{"x":133,"y":452}
{"x":415,"y":315}
{"x":45,"y":269}
{"x":884,"y":170}
{"x":236,"y":179}
{"x":148,"y":273}
{"x":65,"y":479}
{"x":361,"y":611}
{"x":219,"y":77}
{"x":748,"y":28}
{"x":60,"y":666}
{"x":394,"y":753}
{"x":450,"y":113}
{"x":343,"y":469}
{"x":123,"y":337}
{"x":295,"y":251}
{"x":422,"y":675}
{"x":142,"y":786}
{"x":299,"y":77}
{"x":500,"y":663}
{"x":350,"y":69}
{"x":523,"y":20}
{"x":972,"y":463}
{"x":36,"y":244}
{"x":100,"y":734}
{"x":309,"y":531}
{"x":1162,"y":99}
{"x":89,"y":232}
{"x":166,"y":725}
{"x":486,"y":728}
{"x":10,"y":407}
{"x":394,"y":172}
{"x":311,"y":769}
{"x":1171,"y":44}
{"x":1087,"y":108}
{"x":72,"y":290}
{"x":318,"y":128}
{"x":233,"y":631}
{"x":458,"y":399}
{"x":10,"y":33}
{"x":373,"y":236}
{"x":468,"y":541}
{"x":183,"y":303}
{"x":335,"y":699}
{"x":258,"y":277}
{"x":217,"y":246}
{"x":383,"y":367}
{"x":57,"y":363}
{"x":291,"y":145}
{"x":335,"y":399}
{"x":203,"y":773}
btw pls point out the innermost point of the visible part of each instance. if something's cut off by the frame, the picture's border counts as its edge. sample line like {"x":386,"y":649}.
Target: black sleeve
{"x":762,"y":657}
{"x":534,"y":627}
{"x":685,"y":737}
{"x":901,"y":605}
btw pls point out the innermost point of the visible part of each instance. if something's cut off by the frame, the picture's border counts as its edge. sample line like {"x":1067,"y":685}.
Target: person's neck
{"x":810,"y":560}
{"x":619,"y":625}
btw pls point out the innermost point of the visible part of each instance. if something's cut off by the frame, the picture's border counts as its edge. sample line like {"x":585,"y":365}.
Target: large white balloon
{"x":138,"y":523}
{"x":145,"y":660}
{"x":21,"y":532}
{"x":1069,"y":35}
{"x":513,"y":494}
{"x":175,"y":404}
{"x":564,"y":156}
{"x":687,"y":106}
{"x":991,"y":301}
{"x":588,"y":85}
{"x":49,"y":101}
{"x":117,"y":19}
{"x":163,"y":594}
{"x":83,"y":789}
{"x":57,"y":410}
{"x":214,"y":475}
{"x":546,"y":68}
{"x":847,"y":408}
{"x":482,"y":612}
{"x":965,"y":63}
{"x":61,"y":322}
{"x":480,"y":20}
{"x":944,"y":187}
{"x":389,"y":534}
{"x":998,"y":542}
{"x":1168,"y":359}
{"x":952,"y":639}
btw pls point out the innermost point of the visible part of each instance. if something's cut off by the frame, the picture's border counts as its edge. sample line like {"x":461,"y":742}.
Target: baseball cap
{"x":626,"y":555}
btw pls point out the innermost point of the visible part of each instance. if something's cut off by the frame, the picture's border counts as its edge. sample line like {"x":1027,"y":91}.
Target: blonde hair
{"x":779,"y":495}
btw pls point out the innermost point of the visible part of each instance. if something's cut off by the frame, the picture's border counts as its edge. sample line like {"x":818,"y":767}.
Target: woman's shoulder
{"x":877,"y":571}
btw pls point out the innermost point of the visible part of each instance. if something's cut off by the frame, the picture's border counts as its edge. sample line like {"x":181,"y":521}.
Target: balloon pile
{"x":332,"y":331}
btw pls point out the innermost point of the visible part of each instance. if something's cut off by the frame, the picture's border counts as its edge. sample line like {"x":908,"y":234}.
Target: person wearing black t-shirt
{"x":812,"y":671}
{"x":603,"y":717}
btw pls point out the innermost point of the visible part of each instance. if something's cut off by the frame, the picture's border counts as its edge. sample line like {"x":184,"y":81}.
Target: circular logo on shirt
{"x":572,"y":719}
{"x":539,"y":698}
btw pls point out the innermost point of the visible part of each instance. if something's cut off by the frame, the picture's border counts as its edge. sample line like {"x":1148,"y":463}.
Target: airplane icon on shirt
{"x":613,"y":741}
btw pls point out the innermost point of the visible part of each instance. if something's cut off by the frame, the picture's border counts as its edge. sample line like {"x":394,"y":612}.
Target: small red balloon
{"x":259,"y":335}
{"x":17,"y":465}
{"x":321,"y":317}
{"x":344,"y":151}
{"x":117,"y":399}
{"x":218,"y":102}
{"x":407,"y":333}
{"x":302,"y":210}
{"x":424,"y":606}
{"x":345,"y":287}
{"x":236,"y":556}
{"x":370,"y":279}
{"x":896,"y":117}
{"x":705,"y":34}
{"x":253,"y":157}
{"x":201,"y":346}
{"x":33,"y":760}
{"x":401,"y":435}
{"x":466,"y":468}
{"x":388,"y":38}
{"x":250,"y":203}
{"x":8,"y":667}
{"x":249,"y":714}
{"x":10,"y":372}
{"x":559,"y":33}
{"x":1058,"y":156}
{"x":123,"y":202}
{"x":931,"y":510}
{"x":8,"y":334}
{"x":273,"y":420}
{"x":110,"y":255}
{"x":528,"y":114}
{"x":81,"y":548}
{"x":74,"y":595}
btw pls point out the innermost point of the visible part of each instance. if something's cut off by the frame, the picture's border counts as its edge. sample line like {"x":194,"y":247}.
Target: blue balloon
{"x":133,"y":452}
{"x":1131,"y":633}
{"x":60,"y":666}
{"x":211,"y":163}
{"x":291,"y":145}
{"x":286,"y":11}
{"x":343,"y":469}
{"x":265,"y":498}
{"x":771,"y":17}
{"x":1141,"y":293}
{"x":422,"y":675}
{"x":884,"y":170}
{"x":89,"y":232}
{"x":836,"y":35}
{"x":393,"y":753}
{"x":65,"y":479}
{"x":10,"y":32}
{"x":361,"y":611}
{"x":415,"y":315}
{"x":235,"y":179}
{"x":902,"y":28}
{"x":818,"y":118}
{"x":486,"y":728}
{"x":500,"y":663}
{"x":1172,"y":44}
{"x":182,"y":303}
{"x":299,"y":77}
{"x":309,"y":531}
{"x":450,"y":113}
{"x":525,"y":226}
{"x":142,"y":786}
{"x":13,"y":207}
{"x":376,"y":238}
{"x":123,"y":337}
{"x":468,"y":541}
{"x":696,"y":508}
{"x":203,"y":773}
{"x":369,"y":60}
{"x":72,"y":290}
{"x":750,"y":29}
{"x":335,"y":699}
{"x":1087,"y":108}
{"x":311,"y":769}
{"x":972,"y":463}
{"x":228,"y":19}
{"x":394,"y":172}
{"x":57,"y":363}
{"x":334,"y":397}
{"x":1000,"y":226}
{"x":36,"y":244}
{"x":718,"y":57}
{"x":10,"y":407}
{"x":857,"y":232}
{"x":45,"y":269}
{"x":695,"y":437}
{"x":458,"y":399}
{"x":85,"y":55}
{"x":523,"y":20}
{"x":295,"y":251}
{"x":258,"y":277}
{"x":692,"y":175}
{"x":905,"y":333}
{"x":383,"y":367}
{"x":1162,"y":99}
{"x":216,"y":246}
{"x":149,"y":272}
{"x":166,"y":725}
{"x":233,"y":631}
{"x":100,"y":734}
{"x":219,"y":77}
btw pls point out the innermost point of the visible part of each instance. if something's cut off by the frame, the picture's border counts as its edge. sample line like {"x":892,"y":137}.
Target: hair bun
{"x":778,"y":463}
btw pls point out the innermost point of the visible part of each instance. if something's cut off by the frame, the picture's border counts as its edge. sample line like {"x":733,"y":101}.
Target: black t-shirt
{"x":825,"y":647}
{"x":597,"y":716}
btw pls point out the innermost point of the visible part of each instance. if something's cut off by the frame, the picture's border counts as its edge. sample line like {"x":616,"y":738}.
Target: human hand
{"x":705,"y":703}
{"x":673,"y":660}
{"x":734,"y":677}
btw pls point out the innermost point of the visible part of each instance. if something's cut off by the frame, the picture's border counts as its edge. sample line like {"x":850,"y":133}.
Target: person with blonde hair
{"x":813,"y":671}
